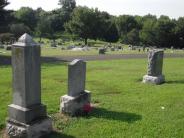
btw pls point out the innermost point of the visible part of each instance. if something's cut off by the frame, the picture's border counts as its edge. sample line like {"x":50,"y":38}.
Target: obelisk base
{"x":74,"y":105}
{"x":35,"y":129}
{"x":154,"y":79}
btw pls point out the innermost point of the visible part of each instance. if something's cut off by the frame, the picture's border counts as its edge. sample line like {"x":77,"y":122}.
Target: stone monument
{"x":102,"y":51}
{"x":77,"y":98}
{"x":27,"y":116}
{"x":155,"y":64}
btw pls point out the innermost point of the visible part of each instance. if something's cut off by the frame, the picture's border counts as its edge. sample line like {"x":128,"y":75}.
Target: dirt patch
{"x":3,"y":134}
{"x":60,"y":121}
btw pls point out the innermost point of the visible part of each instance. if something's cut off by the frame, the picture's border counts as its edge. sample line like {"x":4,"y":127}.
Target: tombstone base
{"x":36,"y":129}
{"x":74,"y":105}
{"x":154,"y":79}
{"x":26,"y":115}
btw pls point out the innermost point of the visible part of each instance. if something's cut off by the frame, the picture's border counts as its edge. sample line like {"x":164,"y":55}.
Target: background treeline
{"x":82,"y":22}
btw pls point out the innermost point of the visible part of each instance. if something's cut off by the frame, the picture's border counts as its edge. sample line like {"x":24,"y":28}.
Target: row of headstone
{"x":27,"y":116}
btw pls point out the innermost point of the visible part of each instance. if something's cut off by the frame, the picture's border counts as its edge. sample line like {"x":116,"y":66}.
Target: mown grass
{"x":124,"y":107}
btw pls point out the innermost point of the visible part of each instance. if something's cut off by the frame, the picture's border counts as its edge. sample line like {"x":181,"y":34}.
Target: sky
{"x":171,"y":8}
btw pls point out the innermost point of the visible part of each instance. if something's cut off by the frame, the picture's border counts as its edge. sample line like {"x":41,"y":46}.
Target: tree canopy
{"x":90,"y":23}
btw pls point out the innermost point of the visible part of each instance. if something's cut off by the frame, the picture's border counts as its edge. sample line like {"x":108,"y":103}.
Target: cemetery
{"x":119,"y":100}
{"x":78,"y":72}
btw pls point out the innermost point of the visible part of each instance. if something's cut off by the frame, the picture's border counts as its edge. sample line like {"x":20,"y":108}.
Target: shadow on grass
{"x":113,"y":115}
{"x":52,"y":60}
{"x":139,"y":80}
{"x":57,"y":135}
{"x":175,"y":82}
{"x":6,"y":60}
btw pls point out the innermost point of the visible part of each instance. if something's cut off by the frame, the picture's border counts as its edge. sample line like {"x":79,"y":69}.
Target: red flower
{"x":87,"y":108}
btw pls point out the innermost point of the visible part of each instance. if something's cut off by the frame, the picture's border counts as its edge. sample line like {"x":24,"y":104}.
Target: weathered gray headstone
{"x":102,"y":51}
{"x":27,"y":116}
{"x":1,"y":45}
{"x":155,"y":64}
{"x":7,"y":47}
{"x":77,"y":97}
{"x":112,"y":49}
{"x":53,"y":44}
{"x":76,"y":77}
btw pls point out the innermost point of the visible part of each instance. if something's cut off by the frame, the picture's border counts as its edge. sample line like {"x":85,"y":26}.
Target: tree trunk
{"x":40,"y":38}
{"x":86,"y":41}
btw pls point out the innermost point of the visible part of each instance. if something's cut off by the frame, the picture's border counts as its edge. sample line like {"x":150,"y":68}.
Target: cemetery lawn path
{"x":123,"y":106}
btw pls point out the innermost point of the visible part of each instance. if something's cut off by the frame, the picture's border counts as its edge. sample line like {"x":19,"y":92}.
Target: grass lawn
{"x":124,"y":107}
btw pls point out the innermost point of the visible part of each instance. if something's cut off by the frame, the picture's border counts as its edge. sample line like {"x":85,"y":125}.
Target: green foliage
{"x":111,"y":32}
{"x":179,"y":30}
{"x":6,"y":37}
{"x":147,"y":34}
{"x":48,"y":26}
{"x":3,"y":3}
{"x":67,"y":8}
{"x":27,"y":16}
{"x":5,"y":16}
{"x":67,"y":5}
{"x":91,"y":23}
{"x":125,"y":23}
{"x":164,"y":32}
{"x":83,"y":23}
{"x":19,"y":29}
{"x":133,"y":37}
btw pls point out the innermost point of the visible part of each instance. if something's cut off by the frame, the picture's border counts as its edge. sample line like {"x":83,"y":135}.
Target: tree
{"x":125,"y":23}
{"x":133,"y":37}
{"x":3,"y":3}
{"x":148,"y":32}
{"x":164,"y":30}
{"x":67,"y":8}
{"x":83,"y":23}
{"x":5,"y":16}
{"x":149,"y":17}
{"x":6,"y":37}
{"x":27,"y":16}
{"x":111,"y":33}
{"x":60,"y":19}
{"x":179,"y":31}
{"x":19,"y":29}
{"x":47,"y":26}
{"x":67,"y":5}
{"x":39,"y":12}
{"x":105,"y":28}
{"x":139,"y":21}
